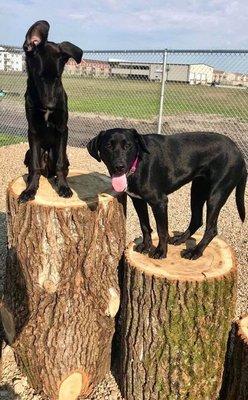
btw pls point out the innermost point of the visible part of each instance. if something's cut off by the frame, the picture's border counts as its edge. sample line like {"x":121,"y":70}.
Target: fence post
{"x":164,"y":77}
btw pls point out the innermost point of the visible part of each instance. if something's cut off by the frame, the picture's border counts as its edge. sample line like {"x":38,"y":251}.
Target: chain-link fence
{"x":154,"y":91}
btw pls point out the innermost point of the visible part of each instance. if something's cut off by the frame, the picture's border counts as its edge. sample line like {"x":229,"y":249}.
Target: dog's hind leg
{"x":199,"y":194}
{"x":27,"y":158}
{"x":27,"y":162}
{"x":218,"y":195}
{"x":142,"y":211}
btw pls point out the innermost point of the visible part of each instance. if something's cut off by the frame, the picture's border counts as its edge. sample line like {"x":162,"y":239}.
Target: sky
{"x":130,"y":24}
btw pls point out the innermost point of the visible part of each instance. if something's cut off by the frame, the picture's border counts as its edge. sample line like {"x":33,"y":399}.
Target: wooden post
{"x":174,"y":323}
{"x":235,"y":383}
{"x":61,"y":292}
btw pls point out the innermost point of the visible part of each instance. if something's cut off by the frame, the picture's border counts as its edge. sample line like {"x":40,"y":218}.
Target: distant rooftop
{"x":11,"y":49}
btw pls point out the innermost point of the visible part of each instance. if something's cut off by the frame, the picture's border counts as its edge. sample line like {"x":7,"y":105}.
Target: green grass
{"x":6,"y":140}
{"x":14,"y":83}
{"x":139,"y":99}
{"x":117,"y":97}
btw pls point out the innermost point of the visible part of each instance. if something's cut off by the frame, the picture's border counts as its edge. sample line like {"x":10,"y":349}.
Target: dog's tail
{"x":240,"y":194}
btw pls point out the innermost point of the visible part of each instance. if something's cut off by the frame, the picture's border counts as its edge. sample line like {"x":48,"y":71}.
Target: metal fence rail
{"x":154,"y":91}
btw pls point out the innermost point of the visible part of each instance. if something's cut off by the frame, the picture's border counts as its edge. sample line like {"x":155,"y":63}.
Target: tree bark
{"x":174,"y":322}
{"x":235,"y":383}
{"x":61,"y":291}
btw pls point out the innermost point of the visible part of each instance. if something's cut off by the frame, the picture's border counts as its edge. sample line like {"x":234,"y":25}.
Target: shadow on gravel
{"x":8,"y":393}
{"x":3,"y":227}
{"x":14,"y":312}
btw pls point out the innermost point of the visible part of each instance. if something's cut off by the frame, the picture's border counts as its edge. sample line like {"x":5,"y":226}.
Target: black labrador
{"x":46,"y":109}
{"x":150,"y":167}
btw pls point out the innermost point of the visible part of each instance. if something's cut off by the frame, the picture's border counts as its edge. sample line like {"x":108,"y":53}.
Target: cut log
{"x":235,"y":384}
{"x":61,"y":293}
{"x":174,"y":323}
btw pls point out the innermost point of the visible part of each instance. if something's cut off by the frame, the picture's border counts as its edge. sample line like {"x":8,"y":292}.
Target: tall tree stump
{"x":174,"y":323}
{"x":61,"y":292}
{"x":235,"y":385}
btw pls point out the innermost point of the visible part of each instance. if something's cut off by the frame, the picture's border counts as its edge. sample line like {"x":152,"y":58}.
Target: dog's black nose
{"x":119,"y":168}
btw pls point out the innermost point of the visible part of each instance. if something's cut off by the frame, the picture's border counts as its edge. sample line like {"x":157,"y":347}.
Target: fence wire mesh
{"x":152,"y":91}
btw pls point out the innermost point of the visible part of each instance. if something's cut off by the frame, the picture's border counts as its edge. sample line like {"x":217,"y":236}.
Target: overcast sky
{"x":130,"y":24}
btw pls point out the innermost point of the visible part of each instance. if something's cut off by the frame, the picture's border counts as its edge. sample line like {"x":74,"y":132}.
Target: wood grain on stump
{"x":174,"y":323}
{"x":235,"y":386}
{"x":61,"y":292}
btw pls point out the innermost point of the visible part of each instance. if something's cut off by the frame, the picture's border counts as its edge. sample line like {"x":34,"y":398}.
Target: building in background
{"x":88,"y":68}
{"x":200,"y":74}
{"x":218,"y":76}
{"x":135,"y":70}
{"x":11,"y":59}
{"x":177,"y":73}
{"x":194,"y":74}
{"x":235,"y":79}
{"x":149,"y":71}
{"x":182,"y":73}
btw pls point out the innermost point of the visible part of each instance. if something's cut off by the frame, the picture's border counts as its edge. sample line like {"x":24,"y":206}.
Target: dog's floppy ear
{"x":69,"y":50}
{"x":140,"y":140}
{"x":94,"y":145}
{"x":36,"y":36}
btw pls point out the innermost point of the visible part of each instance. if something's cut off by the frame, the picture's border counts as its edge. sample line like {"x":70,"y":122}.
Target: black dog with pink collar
{"x":212,"y":162}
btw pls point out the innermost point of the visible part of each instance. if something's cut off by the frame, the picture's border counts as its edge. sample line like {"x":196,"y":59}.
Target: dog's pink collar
{"x":134,"y":166}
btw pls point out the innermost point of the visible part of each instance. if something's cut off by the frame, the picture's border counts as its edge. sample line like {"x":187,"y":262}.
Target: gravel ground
{"x":14,"y":386}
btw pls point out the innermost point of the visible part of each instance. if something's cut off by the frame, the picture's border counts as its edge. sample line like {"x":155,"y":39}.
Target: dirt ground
{"x":13,"y":385}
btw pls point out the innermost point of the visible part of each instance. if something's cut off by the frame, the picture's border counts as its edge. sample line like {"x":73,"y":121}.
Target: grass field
{"x":6,"y":140}
{"x":139,"y":99}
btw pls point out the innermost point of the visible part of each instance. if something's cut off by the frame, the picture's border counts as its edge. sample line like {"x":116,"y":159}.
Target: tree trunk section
{"x":61,"y":292}
{"x":235,"y":385}
{"x":174,"y":323}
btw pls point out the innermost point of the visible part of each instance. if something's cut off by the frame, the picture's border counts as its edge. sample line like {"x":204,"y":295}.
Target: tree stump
{"x":235,"y":385}
{"x":174,"y":323}
{"x":61,"y":292}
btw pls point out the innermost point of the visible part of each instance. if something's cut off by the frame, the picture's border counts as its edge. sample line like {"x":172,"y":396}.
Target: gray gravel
{"x":11,"y":163}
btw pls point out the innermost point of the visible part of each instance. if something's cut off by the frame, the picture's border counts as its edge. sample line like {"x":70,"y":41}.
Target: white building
{"x":200,"y":74}
{"x":10,"y":59}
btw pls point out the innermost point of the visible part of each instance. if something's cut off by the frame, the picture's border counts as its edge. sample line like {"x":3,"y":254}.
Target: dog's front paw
{"x":26,"y":195}
{"x":191,"y":254}
{"x":158,"y":253}
{"x":65,"y":191}
{"x":143,"y":247}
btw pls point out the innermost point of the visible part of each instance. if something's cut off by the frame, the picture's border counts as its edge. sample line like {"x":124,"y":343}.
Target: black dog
{"x":152,"y":166}
{"x":46,"y":109}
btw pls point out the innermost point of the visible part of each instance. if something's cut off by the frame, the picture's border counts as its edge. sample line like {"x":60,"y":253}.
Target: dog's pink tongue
{"x":119,"y":183}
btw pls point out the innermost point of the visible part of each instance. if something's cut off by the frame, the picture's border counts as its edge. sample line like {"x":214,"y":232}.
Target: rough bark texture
{"x":235,"y":383}
{"x":172,"y":333}
{"x":61,"y":280}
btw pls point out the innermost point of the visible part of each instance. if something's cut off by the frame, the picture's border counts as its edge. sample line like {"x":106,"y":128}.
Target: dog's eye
{"x":108,"y":146}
